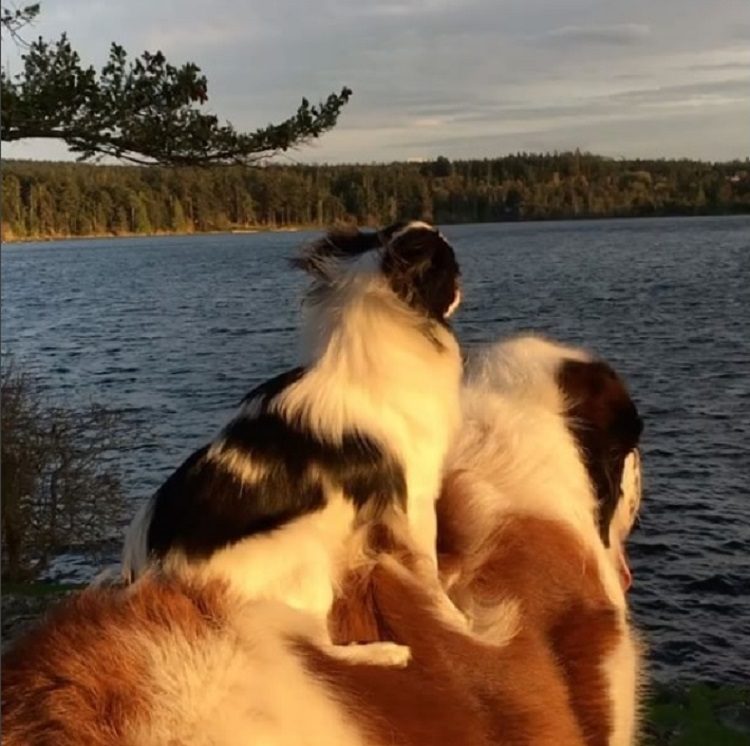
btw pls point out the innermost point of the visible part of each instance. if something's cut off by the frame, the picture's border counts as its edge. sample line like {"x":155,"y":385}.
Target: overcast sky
{"x":460,"y":78}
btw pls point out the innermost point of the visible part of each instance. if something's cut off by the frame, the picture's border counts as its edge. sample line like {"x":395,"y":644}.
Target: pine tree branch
{"x":146,"y":111}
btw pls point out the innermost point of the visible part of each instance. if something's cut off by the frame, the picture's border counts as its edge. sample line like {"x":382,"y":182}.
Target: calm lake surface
{"x":174,"y":330}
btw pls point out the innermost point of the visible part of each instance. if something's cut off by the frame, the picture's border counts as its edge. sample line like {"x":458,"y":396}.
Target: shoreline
{"x":156,"y":234}
{"x":249,"y":230}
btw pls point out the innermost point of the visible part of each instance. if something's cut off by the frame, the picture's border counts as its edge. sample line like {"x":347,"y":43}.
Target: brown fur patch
{"x":456,"y":689}
{"x":582,"y":639}
{"x":77,"y":678}
{"x":456,"y":534}
{"x":354,"y":616}
{"x":544,"y":567}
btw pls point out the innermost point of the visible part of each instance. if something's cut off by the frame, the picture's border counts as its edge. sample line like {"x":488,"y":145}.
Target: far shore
{"x":157,"y":234}
{"x":12,"y":239}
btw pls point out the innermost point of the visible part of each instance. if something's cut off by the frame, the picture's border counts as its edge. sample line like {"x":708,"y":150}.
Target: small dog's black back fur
{"x":205,"y":506}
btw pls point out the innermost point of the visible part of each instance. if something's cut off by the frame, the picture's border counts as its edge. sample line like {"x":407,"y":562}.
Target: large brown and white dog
{"x":542,"y":491}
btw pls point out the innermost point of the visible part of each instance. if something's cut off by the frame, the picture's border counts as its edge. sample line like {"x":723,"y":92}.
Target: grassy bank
{"x":675,"y":715}
{"x":698,"y":715}
{"x":8,"y":237}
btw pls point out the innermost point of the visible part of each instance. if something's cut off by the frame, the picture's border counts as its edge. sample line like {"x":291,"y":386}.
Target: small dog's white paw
{"x":373,"y":654}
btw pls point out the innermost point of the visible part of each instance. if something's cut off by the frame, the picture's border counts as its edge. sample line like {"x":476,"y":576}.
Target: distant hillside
{"x":45,"y":200}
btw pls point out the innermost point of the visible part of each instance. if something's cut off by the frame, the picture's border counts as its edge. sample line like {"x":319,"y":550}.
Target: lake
{"x":175,"y":330}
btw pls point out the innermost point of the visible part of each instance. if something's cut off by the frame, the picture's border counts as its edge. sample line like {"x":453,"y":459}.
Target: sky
{"x":459,"y":78}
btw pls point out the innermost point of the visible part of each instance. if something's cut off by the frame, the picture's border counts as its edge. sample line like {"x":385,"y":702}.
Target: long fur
{"x":542,"y":490}
{"x":550,"y":659}
{"x":358,"y":432}
{"x":166,"y":662}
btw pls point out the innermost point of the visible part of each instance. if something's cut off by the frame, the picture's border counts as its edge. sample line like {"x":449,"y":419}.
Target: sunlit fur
{"x":517,"y":464}
{"x":169,"y":662}
{"x":197,"y":663}
{"x":165,"y":661}
{"x":373,"y":365}
{"x":377,"y":370}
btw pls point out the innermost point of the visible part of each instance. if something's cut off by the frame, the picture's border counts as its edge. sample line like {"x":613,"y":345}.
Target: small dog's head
{"x":416,"y":260}
{"x":421,"y":268}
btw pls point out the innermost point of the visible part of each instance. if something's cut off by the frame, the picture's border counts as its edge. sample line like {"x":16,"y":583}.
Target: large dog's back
{"x":167,"y":662}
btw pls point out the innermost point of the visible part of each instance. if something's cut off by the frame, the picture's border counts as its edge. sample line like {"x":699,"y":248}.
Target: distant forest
{"x":47,"y":200}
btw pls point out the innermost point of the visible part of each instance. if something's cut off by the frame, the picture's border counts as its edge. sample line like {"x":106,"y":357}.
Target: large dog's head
{"x":414,"y":258}
{"x":606,"y":425}
{"x":553,"y":431}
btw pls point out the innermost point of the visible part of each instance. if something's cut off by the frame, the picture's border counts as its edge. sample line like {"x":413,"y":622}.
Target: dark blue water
{"x":175,"y":330}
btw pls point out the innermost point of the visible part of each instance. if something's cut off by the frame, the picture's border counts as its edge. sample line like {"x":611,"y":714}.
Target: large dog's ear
{"x":605,"y":423}
{"x":421,"y":267}
{"x":320,"y":257}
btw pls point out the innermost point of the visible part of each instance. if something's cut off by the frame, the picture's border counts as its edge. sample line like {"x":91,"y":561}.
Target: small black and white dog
{"x":273,"y":504}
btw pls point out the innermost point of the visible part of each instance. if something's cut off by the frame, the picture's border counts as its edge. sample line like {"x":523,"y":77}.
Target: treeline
{"x":41,"y":200}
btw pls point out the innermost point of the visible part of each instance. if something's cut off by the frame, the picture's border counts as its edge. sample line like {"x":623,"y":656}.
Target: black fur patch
{"x":422,"y":270}
{"x":204,"y":507}
{"x":274,"y":386}
{"x":606,"y":425}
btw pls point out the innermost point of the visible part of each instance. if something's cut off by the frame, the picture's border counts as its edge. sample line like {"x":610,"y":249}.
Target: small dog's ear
{"x":421,"y":268}
{"x":320,"y":256}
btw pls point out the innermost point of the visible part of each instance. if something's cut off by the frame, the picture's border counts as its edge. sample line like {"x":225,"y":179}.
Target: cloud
{"x":667,"y":134}
{"x":721,"y":90}
{"x":741,"y":31}
{"x":722,"y":67}
{"x":618,"y":34}
{"x":456,"y":77}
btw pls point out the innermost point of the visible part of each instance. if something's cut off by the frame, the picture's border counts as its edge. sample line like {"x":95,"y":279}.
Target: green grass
{"x":39,"y":588}
{"x":699,"y":715}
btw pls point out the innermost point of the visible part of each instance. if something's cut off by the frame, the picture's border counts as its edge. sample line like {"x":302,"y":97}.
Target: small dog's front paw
{"x":373,"y":654}
{"x":387,"y":654}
